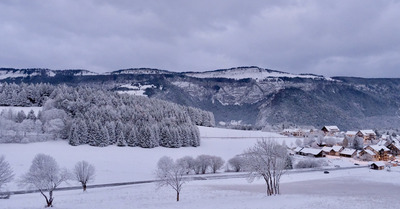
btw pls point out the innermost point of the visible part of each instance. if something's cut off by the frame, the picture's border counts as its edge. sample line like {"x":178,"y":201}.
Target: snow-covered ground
{"x":355,"y":188}
{"x":120,"y":164}
{"x":254,"y":73}
{"x":135,"y":90}
{"x":339,"y":189}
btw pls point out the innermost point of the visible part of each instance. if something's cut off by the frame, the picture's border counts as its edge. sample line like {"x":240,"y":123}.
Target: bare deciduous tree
{"x":84,"y":173}
{"x":6,"y":173}
{"x":45,"y":175}
{"x":170,"y":173}
{"x":266,"y":159}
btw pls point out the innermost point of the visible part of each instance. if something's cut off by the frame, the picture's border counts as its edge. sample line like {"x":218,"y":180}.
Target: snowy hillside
{"x":137,"y":90}
{"x":255,"y":73}
{"x":7,"y":73}
{"x":136,"y":71}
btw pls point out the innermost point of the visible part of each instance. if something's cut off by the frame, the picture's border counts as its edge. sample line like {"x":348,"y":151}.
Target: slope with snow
{"x":250,"y":72}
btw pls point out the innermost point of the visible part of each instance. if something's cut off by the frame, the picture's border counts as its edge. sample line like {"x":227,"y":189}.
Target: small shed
{"x":377,"y":166}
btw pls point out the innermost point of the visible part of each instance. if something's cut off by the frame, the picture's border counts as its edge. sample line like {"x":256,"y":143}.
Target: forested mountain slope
{"x":253,"y":95}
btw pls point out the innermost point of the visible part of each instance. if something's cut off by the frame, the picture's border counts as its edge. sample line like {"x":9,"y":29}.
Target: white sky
{"x":343,"y":37}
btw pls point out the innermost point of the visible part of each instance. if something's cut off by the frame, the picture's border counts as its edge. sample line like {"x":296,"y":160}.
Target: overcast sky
{"x":341,"y":37}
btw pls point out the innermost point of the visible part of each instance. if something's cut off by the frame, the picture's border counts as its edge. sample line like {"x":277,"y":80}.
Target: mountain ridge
{"x":240,"y":94}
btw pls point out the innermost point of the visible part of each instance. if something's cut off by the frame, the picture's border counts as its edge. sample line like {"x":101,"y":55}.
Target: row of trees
{"x":45,"y":175}
{"x":24,"y":95}
{"x":266,"y":159}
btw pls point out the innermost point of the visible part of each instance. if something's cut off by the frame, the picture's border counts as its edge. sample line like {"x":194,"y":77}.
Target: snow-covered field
{"x":339,"y":189}
{"x":355,"y":188}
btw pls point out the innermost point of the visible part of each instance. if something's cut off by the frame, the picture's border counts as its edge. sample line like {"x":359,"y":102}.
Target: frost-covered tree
{"x":187,"y":162}
{"x":203,"y":162}
{"x":358,"y":143}
{"x":266,"y":159}
{"x":132,"y":139}
{"x":6,"y":173}
{"x":237,"y":163}
{"x":21,"y":116}
{"x":74,"y":135}
{"x":84,"y":173}
{"x":31,"y":115}
{"x":216,"y":163}
{"x":44,"y":175}
{"x":170,"y":173}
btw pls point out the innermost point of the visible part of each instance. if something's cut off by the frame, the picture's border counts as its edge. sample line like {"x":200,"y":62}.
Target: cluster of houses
{"x":373,"y":149}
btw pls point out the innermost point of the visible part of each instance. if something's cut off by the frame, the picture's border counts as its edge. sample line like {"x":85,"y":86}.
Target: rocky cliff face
{"x":251,"y":94}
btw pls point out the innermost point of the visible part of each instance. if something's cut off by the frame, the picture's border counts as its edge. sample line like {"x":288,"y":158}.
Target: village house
{"x":351,"y":134}
{"x":330,"y":130}
{"x":394,"y":147}
{"x":377,"y":166}
{"x":312,"y":152}
{"x":367,"y":135}
{"x":328,"y":151}
{"x":368,"y":155}
{"x":382,"y":152}
{"x":348,"y":152}
{"x":337,"y":149}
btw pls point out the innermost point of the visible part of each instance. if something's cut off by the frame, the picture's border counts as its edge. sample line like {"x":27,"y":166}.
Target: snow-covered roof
{"x":369,"y":152}
{"x":326,"y":149}
{"x":378,"y":164}
{"x":312,"y":151}
{"x":351,"y":132}
{"x":337,"y":148}
{"x":298,"y":149}
{"x":332,"y":128}
{"x":382,"y":143}
{"x":348,"y":151}
{"x":396,"y":144}
{"x":367,"y":132}
{"x":378,"y":147}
